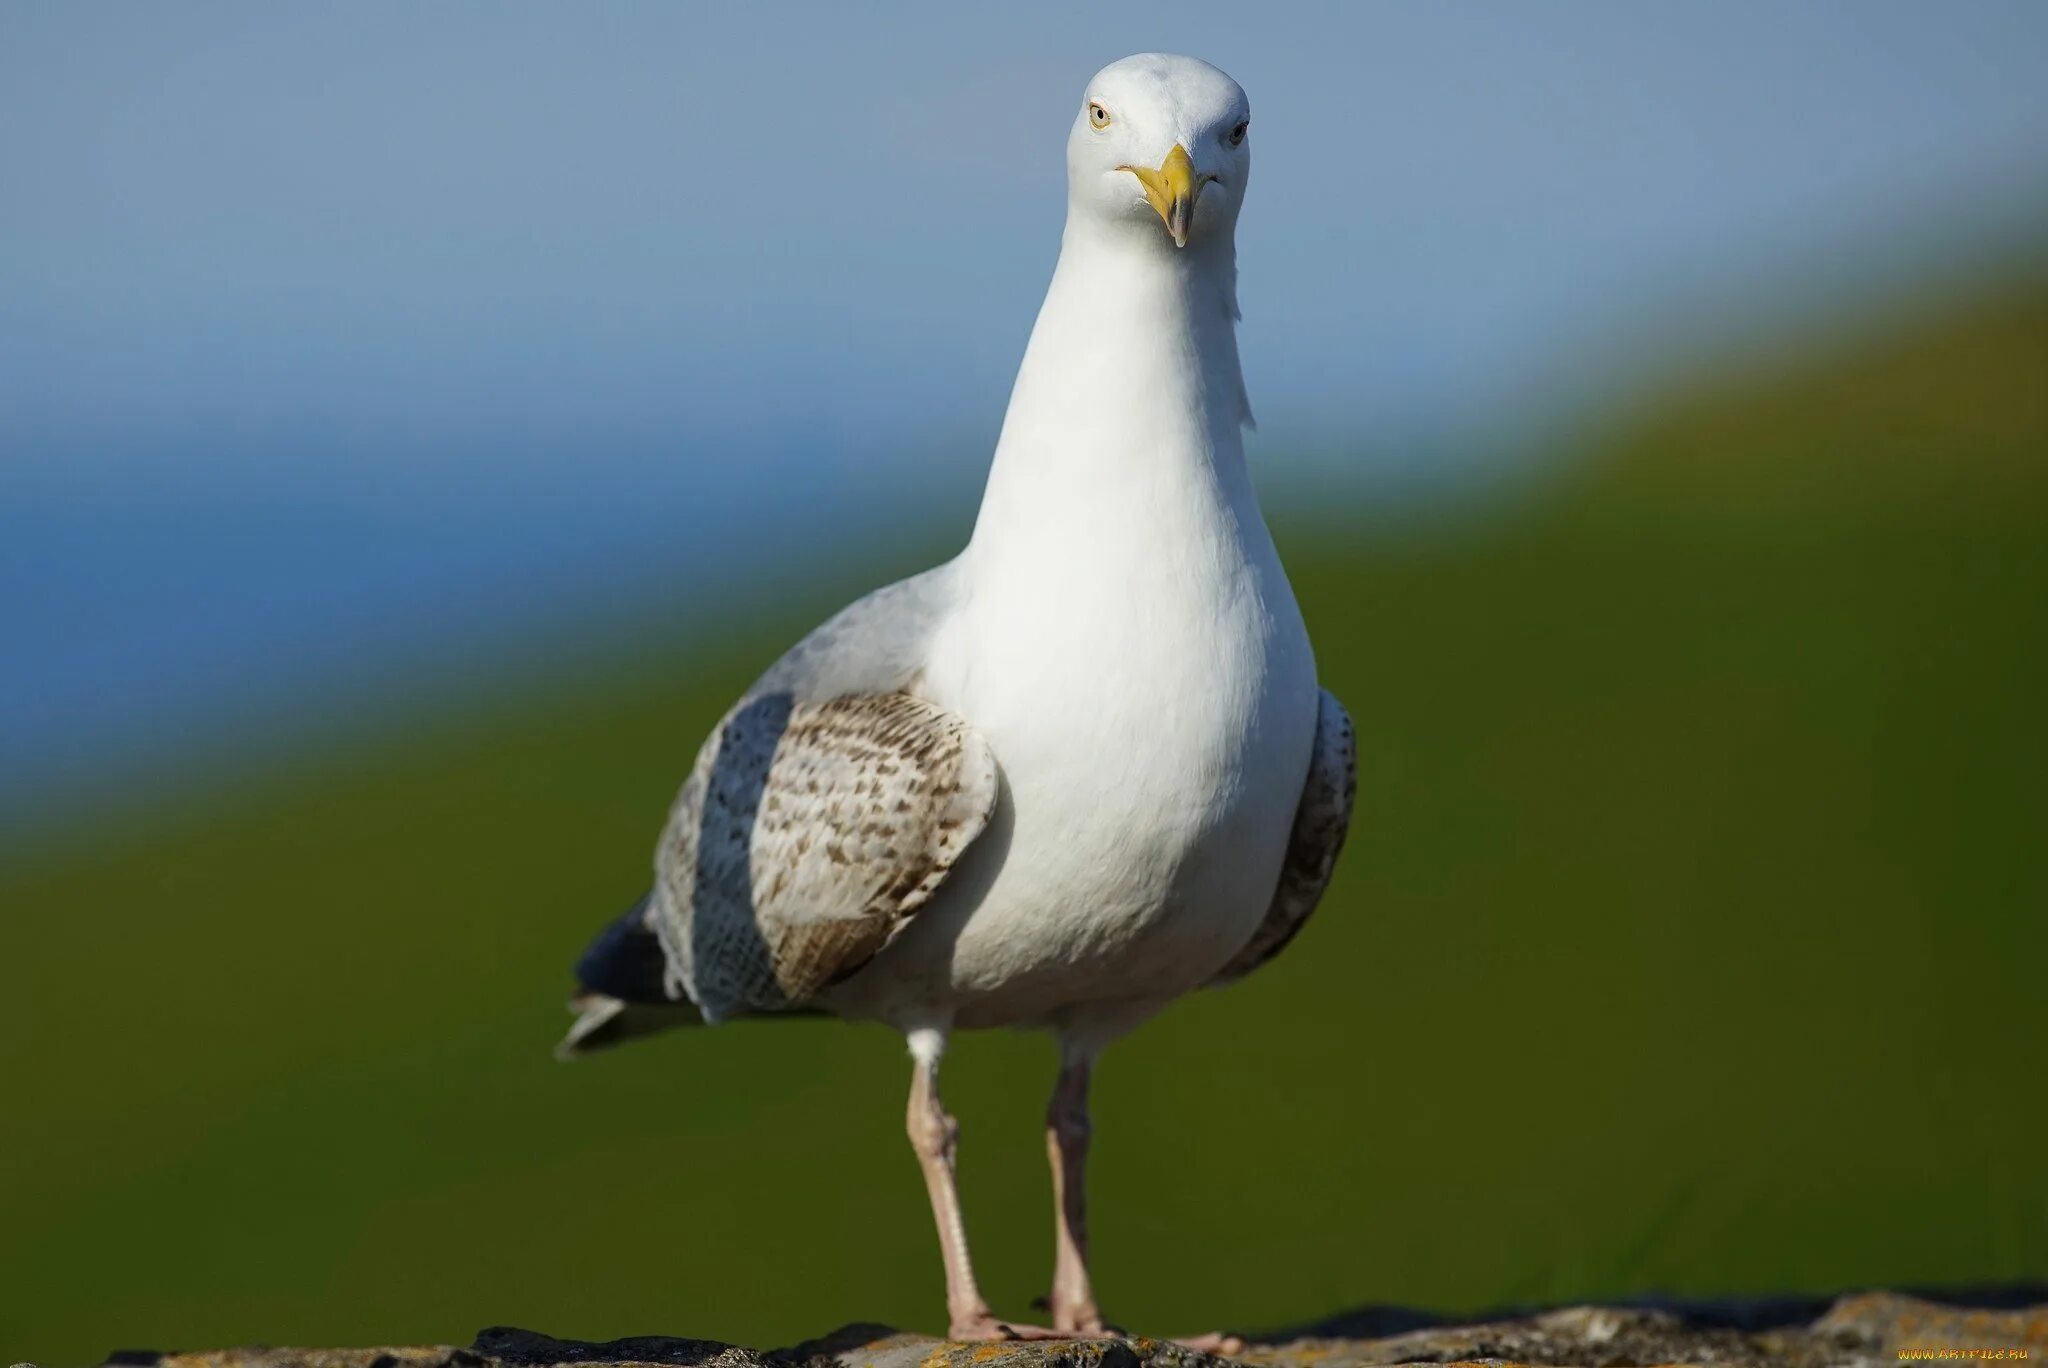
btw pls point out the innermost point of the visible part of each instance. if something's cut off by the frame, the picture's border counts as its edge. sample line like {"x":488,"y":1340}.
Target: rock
{"x":1861,"y":1331}
{"x":1907,"y":1325}
{"x":502,"y":1346}
{"x":431,"y":1356}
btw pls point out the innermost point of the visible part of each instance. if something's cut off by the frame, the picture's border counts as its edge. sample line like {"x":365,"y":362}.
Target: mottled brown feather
{"x":1321,"y":820}
{"x":806,"y":835}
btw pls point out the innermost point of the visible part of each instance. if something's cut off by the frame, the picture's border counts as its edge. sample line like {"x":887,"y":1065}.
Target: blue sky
{"x":329,"y":330}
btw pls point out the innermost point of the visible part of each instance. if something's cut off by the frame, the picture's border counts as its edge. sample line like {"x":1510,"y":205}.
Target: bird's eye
{"x":1237,"y":133}
{"x":1097,"y":115}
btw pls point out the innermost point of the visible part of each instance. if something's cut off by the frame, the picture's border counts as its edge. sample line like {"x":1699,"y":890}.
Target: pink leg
{"x":935,"y":1136}
{"x":1067,"y":1129}
{"x":1067,"y":1132}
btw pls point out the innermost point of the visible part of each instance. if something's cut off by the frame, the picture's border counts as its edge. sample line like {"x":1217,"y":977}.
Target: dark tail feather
{"x":622,"y":979}
{"x":625,"y":961}
{"x":602,"y":1022}
{"x":623,"y":990}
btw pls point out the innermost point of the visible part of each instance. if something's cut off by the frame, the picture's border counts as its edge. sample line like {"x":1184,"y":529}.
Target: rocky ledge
{"x":1859,"y":1331}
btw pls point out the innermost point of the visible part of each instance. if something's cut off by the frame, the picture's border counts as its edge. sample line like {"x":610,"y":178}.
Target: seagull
{"x":1080,"y":770}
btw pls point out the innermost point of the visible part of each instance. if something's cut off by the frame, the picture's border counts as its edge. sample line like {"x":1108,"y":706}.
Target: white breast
{"x":1147,"y":687}
{"x":1125,"y":640}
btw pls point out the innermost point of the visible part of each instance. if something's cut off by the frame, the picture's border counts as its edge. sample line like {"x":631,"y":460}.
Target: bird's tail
{"x":603,"y":1021}
{"x":621,"y":989}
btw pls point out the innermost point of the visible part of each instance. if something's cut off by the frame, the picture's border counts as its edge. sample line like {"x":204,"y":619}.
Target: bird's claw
{"x":985,"y":1329}
{"x":1220,"y":1342}
{"x":990,"y":1329}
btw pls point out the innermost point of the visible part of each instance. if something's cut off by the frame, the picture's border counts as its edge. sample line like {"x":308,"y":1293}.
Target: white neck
{"x":1130,"y":401}
{"x":1122,"y":612}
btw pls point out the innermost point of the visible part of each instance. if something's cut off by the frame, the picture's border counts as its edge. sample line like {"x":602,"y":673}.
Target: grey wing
{"x":824,"y":809}
{"x":1321,"y":820}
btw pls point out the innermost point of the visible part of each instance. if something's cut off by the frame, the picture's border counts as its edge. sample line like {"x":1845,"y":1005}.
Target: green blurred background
{"x":418,"y":422}
{"x":1690,"y":938}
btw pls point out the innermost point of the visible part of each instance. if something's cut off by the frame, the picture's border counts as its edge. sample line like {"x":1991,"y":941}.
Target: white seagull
{"x":1079,"y":770}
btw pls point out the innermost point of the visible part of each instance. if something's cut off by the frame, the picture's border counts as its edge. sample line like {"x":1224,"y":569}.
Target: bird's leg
{"x":935,"y":1136}
{"x":1067,"y":1129}
{"x":1067,"y":1132}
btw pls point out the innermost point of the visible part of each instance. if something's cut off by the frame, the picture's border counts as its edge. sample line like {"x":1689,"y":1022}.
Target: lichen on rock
{"x":1860,"y":1331}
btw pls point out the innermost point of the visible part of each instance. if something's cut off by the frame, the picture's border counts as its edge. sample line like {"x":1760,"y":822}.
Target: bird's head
{"x":1160,"y":143}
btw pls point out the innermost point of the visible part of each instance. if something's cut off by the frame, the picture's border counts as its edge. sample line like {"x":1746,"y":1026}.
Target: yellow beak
{"x":1172,"y":189}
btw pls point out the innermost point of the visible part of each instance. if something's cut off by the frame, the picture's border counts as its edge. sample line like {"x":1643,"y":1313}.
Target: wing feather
{"x":807,"y":833}
{"x":1321,"y":821}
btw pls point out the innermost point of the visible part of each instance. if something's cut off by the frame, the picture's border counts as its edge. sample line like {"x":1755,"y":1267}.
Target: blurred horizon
{"x":345,"y":351}
{"x":417,"y":424}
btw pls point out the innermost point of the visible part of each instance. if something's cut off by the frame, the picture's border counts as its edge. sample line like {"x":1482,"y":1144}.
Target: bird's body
{"x":1074,"y":773}
{"x":1149,"y":802}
